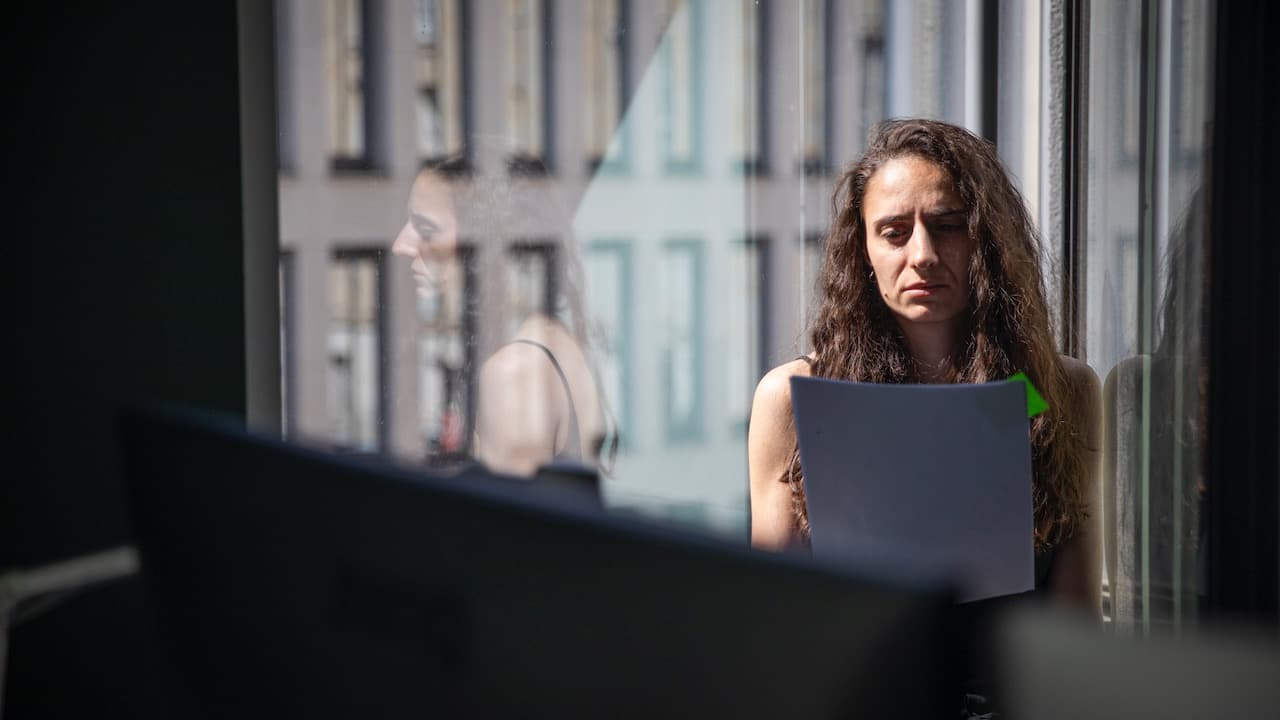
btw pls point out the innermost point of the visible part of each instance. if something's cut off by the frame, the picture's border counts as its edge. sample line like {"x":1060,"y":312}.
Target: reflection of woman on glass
{"x":932,"y":275}
{"x":537,"y":398}
{"x":1154,"y":429}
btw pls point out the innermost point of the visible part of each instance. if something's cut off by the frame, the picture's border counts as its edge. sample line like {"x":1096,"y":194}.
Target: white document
{"x":930,"y":480}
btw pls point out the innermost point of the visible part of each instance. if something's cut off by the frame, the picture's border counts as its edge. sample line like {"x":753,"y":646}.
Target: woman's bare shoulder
{"x":515,"y":362}
{"x":774,"y":389}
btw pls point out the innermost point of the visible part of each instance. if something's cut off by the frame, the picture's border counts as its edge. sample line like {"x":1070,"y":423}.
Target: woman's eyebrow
{"x":936,"y":215}
{"x":890,"y":219}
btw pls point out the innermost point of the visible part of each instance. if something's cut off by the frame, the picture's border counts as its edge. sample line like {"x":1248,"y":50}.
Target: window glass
{"x":438,"y":71}
{"x":815,"y":25}
{"x":355,"y":353}
{"x":608,"y":271}
{"x":682,"y":64}
{"x":1144,"y":307}
{"x":744,"y":317}
{"x":679,"y":289}
{"x":605,"y":76}
{"x":345,"y":47}
{"x":812,"y":246}
{"x":747,"y":84}
{"x":526,"y":48}
{"x":444,"y":367}
{"x":630,"y":300}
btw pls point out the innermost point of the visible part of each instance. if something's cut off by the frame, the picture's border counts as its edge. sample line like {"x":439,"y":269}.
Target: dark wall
{"x":124,"y":258}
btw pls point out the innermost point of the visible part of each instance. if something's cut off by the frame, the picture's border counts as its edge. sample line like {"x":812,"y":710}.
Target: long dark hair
{"x":855,"y":336}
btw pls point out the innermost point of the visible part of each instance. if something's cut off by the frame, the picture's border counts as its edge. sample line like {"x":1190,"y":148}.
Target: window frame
{"x":364,"y":162}
{"x":624,"y":416}
{"x":821,"y":164}
{"x":620,"y":163}
{"x":465,"y":82}
{"x":382,"y":392}
{"x":692,"y":165}
{"x":521,"y":164}
{"x":689,"y":430}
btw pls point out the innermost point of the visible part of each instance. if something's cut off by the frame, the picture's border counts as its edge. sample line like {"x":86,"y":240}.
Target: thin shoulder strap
{"x":574,"y":441}
{"x":807,"y":359}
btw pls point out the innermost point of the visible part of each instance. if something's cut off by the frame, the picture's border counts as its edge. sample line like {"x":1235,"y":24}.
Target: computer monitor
{"x":296,"y":583}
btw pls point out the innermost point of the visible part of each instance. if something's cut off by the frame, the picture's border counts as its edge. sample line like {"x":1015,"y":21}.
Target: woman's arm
{"x":1077,"y":570}
{"x":770,"y":443}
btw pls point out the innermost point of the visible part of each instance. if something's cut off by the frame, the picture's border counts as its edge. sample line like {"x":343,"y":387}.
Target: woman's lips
{"x":924,"y":289}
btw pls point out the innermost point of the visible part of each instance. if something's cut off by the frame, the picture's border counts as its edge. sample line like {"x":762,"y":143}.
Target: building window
{"x":746,"y":22}
{"x":439,"y":72}
{"x":816,"y":121}
{"x":683,"y":73}
{"x":355,"y":351}
{"x":608,"y":268}
{"x":679,"y":283}
{"x":528,"y":85}
{"x":874,"y":94}
{"x":446,"y":329}
{"x":747,"y":309}
{"x":346,"y":45}
{"x":606,"y":78}
{"x":531,"y":279}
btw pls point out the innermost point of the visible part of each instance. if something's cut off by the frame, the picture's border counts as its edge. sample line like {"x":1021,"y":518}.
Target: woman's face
{"x":430,"y":236}
{"x":918,"y":241}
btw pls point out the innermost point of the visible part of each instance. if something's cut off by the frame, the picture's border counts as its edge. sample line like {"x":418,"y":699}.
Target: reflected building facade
{"x":693,"y":147}
{"x":680,"y":156}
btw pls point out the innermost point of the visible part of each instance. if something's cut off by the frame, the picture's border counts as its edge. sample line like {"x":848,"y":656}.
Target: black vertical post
{"x":1243,"y":324}
{"x":990,"y":67}
{"x":1074,"y":173}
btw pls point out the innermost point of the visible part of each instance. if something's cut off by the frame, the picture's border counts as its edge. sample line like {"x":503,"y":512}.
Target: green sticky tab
{"x":1035,"y":403}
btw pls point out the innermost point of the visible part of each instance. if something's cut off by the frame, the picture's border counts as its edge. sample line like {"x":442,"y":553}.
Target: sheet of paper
{"x":932,"y":480}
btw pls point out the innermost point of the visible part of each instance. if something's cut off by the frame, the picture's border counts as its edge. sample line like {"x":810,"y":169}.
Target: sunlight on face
{"x":918,"y":242}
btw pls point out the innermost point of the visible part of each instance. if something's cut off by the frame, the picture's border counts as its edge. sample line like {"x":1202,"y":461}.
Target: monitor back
{"x":292,"y":581}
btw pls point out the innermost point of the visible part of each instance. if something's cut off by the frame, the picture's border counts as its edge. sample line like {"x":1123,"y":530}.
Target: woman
{"x":932,"y":275}
{"x":537,"y":400}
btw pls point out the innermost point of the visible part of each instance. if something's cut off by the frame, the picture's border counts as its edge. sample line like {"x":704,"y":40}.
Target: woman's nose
{"x":406,"y":243}
{"x":922,"y":251}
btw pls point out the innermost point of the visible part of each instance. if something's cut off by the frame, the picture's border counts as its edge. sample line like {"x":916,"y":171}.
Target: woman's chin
{"x":928,"y":315}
